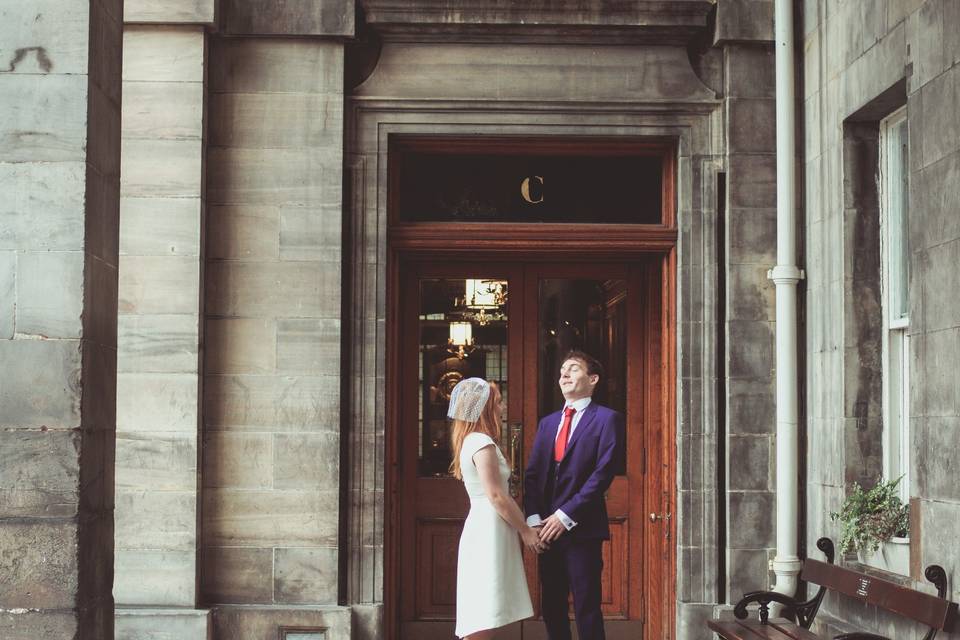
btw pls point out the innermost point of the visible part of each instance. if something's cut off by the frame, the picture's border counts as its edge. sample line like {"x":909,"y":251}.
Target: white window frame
{"x":894,"y":192}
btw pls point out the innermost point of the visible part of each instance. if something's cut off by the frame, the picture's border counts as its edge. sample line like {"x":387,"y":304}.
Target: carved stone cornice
{"x":548,"y":21}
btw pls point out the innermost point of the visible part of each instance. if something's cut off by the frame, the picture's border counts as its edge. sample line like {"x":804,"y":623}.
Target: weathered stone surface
{"x":160,"y":226}
{"x":237,"y":575}
{"x":53,"y":193}
{"x":757,"y":508}
{"x":303,"y":289}
{"x":561,"y":72}
{"x":263,"y":621}
{"x":162,"y":109}
{"x":305,"y":576}
{"x":159,"y":284}
{"x":161,"y":167}
{"x":243,"y":231}
{"x":157,"y":402}
{"x":169,"y":12}
{"x":308,"y":346}
{"x":238,"y":460}
{"x":31,"y":625}
{"x":277,"y":120}
{"x":41,"y":387}
{"x":154,"y":577}
{"x":162,"y":624}
{"x":163,"y":54}
{"x":272,"y":176}
{"x":749,"y":69}
{"x":752,"y":125}
{"x":291,"y":18}
{"x":50,"y":294}
{"x":306,"y":460}
{"x":264,"y":518}
{"x":750,"y":463}
{"x":240,"y":345}
{"x":750,"y":294}
{"x":310,"y":234}
{"x":940,"y":130}
{"x":38,"y":569}
{"x":55,"y":133}
{"x":40,"y":474}
{"x":748,"y":571}
{"x":62,"y":30}
{"x":156,"y":461}
{"x":164,"y":343}
{"x":157,"y":519}
{"x":744,"y":20}
{"x":753,"y":357}
{"x":289,"y":403}
{"x":8,"y":297}
{"x":250,"y":65}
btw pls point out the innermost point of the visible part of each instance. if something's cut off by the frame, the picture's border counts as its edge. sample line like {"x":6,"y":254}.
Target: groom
{"x":576,"y":453}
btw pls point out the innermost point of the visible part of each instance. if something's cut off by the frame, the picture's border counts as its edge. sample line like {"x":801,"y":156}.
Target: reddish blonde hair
{"x":488,"y":423}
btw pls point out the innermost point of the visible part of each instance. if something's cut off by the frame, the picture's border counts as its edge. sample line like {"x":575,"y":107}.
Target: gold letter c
{"x":525,"y":190}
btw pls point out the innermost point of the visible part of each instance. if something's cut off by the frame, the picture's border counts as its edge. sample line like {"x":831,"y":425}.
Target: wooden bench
{"x":935,"y":612}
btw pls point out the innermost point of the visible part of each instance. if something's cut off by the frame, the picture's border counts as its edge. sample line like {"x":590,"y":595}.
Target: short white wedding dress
{"x":491,"y":586}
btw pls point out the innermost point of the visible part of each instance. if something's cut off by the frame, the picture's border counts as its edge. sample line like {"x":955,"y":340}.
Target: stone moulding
{"x":607,"y":21}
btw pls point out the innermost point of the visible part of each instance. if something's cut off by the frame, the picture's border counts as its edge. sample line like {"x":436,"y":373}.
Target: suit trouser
{"x":572,"y":565}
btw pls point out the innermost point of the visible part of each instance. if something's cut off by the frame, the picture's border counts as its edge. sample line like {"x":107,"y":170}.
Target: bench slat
{"x":752,"y":630}
{"x":922,"y":607}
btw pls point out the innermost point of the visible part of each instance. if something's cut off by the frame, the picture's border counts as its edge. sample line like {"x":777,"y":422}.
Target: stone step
{"x":161,"y":624}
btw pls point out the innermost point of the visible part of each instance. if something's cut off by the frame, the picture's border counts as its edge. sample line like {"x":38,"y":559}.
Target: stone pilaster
{"x":59,"y":192}
{"x":160,"y":307}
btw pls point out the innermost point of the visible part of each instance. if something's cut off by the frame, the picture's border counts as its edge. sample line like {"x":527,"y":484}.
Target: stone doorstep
{"x":161,"y":624}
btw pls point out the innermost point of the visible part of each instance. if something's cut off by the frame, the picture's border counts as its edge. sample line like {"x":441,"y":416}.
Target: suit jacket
{"x":594,"y":455}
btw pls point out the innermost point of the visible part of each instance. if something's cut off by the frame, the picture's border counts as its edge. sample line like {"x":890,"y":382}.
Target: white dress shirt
{"x":579,"y":405}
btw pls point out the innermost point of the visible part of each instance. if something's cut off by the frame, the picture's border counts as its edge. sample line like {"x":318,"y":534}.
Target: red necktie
{"x":560,"y":445}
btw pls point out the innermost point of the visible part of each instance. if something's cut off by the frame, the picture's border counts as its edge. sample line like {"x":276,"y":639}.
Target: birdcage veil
{"x":468,"y":399}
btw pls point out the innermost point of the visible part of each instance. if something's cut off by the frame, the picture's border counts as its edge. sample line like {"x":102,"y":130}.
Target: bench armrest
{"x":764,"y":598}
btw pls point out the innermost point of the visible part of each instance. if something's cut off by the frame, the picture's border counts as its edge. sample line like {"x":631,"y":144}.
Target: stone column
{"x":745,"y":33}
{"x":59,"y":193}
{"x":159,"y":326}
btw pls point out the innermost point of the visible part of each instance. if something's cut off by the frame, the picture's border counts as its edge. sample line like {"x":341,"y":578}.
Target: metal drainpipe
{"x":785,"y":274}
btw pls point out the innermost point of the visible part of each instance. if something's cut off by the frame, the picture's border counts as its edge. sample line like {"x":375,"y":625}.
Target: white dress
{"x":491,"y":586}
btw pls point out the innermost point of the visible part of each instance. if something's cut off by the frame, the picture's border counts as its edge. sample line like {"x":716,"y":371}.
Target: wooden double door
{"x":512,"y":322}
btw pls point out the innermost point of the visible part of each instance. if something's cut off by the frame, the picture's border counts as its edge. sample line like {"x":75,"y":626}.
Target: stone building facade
{"x":196,"y":287}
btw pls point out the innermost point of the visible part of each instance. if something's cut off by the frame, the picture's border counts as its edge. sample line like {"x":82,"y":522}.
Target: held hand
{"x":531,"y":539}
{"x":552,"y":529}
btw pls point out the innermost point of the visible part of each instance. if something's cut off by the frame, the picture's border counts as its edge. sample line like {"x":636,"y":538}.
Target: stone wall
{"x":271,"y":436}
{"x":854,"y":53}
{"x":59,"y":194}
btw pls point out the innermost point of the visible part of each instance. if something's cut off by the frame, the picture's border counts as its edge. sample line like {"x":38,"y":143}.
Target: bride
{"x":491,"y":586}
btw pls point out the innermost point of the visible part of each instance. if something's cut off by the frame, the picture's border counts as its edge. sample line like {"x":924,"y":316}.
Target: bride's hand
{"x":531,"y":539}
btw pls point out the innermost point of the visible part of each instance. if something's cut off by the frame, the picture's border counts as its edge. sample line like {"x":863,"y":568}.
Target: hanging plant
{"x":868,"y":518}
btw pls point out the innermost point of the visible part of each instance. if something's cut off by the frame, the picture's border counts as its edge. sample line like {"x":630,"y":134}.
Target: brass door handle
{"x":659,"y":516}
{"x":516,"y":458}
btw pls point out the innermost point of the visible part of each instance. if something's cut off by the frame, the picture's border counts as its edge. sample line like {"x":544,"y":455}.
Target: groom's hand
{"x":552,"y":529}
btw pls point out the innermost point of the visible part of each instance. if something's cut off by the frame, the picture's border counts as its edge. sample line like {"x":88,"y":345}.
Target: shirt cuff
{"x":534,"y":520}
{"x":565,"y":520}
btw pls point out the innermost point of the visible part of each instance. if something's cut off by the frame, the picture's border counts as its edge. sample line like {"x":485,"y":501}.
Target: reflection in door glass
{"x":589,"y":315}
{"x":463,"y":334}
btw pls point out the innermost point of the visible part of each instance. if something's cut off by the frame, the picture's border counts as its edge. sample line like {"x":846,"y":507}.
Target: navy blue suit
{"x":575,"y":485}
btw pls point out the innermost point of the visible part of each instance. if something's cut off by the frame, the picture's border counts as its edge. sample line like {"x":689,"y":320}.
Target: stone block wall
{"x":854,"y":52}
{"x":271,"y":439}
{"x":749,"y":305}
{"x":159,"y":315}
{"x":59,"y":194}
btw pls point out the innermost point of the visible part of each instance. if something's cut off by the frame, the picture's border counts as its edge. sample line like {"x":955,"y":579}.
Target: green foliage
{"x":868,"y":518}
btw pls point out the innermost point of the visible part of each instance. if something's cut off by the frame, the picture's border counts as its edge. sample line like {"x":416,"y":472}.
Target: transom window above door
{"x":530,"y":180}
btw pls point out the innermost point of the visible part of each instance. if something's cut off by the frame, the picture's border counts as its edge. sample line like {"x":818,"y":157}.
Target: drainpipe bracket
{"x":785,"y":274}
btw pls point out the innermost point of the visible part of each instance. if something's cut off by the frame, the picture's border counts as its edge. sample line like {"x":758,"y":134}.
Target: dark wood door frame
{"x":547,"y":242}
{"x":660,"y":397}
